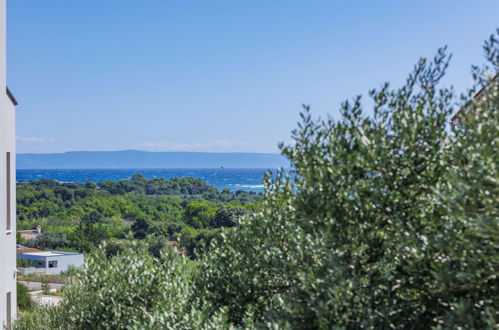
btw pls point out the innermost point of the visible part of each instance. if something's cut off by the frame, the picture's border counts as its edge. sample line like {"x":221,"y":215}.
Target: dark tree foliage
{"x":227,"y":217}
{"x":49,"y":241}
{"x":23,"y":299}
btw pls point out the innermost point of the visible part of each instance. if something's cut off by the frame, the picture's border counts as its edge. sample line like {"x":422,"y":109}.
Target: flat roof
{"x":26,"y":250}
{"x":50,"y":253}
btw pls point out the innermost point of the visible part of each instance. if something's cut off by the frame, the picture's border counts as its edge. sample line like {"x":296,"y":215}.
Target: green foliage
{"x":158,"y":245}
{"x":23,"y":263}
{"x":197,"y":241}
{"x":227,"y":217}
{"x":19,"y":239}
{"x":81,"y":216}
{"x":23,"y":299}
{"x":199,"y":214}
{"x":88,"y":236}
{"x":391,"y":221}
{"x":132,"y":290}
{"x":50,"y":240}
{"x":45,"y":285}
{"x":177,"y":186}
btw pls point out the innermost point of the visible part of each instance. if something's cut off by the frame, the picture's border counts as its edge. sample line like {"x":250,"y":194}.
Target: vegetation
{"x":50,"y":278}
{"x":133,"y":295}
{"x":45,"y":285}
{"x":390,"y":222}
{"x":79,"y":217}
{"x":23,"y":299}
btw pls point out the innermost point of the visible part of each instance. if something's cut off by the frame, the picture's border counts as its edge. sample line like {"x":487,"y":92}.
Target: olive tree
{"x":390,"y":219}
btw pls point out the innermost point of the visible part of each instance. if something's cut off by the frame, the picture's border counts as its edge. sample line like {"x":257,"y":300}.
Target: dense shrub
{"x":132,"y":290}
{"x":391,"y":221}
{"x":23,"y":299}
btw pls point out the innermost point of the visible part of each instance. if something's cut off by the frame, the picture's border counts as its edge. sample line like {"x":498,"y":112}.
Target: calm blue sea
{"x":234,"y":179}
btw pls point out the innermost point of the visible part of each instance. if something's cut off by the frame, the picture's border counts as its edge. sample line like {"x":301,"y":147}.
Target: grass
{"x":41,"y":277}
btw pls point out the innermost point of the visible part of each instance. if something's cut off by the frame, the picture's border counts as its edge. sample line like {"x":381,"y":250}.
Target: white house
{"x":50,"y":262}
{"x":7,"y":187}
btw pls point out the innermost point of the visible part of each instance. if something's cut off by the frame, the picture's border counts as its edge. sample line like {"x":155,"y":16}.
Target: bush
{"x":131,"y":290}
{"x":45,"y":285}
{"x":227,"y":217}
{"x":390,"y":222}
{"x":24,"y":301}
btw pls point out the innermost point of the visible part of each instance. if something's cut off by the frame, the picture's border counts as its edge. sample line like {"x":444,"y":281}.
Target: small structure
{"x":175,"y":249}
{"x":50,"y":262}
{"x":31,"y":234}
{"x":45,"y":300}
{"x":24,"y":249}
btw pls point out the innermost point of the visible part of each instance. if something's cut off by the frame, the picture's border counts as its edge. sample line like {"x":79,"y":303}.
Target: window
{"x":8,"y":174}
{"x":53,"y":264}
{"x":9,"y":309}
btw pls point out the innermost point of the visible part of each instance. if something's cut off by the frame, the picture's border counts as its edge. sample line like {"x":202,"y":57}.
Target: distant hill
{"x":144,"y":159}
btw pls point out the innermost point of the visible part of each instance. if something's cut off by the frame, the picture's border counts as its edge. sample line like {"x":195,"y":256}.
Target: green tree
{"x":141,"y":226}
{"x":199,"y":214}
{"x":88,"y":236}
{"x":90,"y":185}
{"x":45,"y":285}
{"x":390,"y":221}
{"x":227,"y":217}
{"x":20,"y":239}
{"x":93,"y":217}
{"x":49,"y":240}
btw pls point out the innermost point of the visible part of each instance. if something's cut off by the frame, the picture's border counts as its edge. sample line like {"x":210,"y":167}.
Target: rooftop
{"x":50,"y":253}
{"x":25,"y":249}
{"x":28,"y":231}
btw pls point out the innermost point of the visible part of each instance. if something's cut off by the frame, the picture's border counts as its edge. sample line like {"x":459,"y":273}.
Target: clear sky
{"x":165,"y":75}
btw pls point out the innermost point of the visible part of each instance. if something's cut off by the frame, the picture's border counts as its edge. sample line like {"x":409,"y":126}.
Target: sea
{"x":233,"y":179}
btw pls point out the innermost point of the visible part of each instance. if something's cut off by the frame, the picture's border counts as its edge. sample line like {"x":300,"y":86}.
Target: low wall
{"x":32,"y":270}
{"x":46,"y":300}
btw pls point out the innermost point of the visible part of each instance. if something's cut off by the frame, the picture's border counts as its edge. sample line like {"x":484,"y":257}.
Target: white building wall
{"x":64,"y":262}
{"x":7,"y":144}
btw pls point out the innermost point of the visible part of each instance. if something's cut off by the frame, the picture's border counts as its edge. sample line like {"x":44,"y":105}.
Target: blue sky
{"x":216,"y":75}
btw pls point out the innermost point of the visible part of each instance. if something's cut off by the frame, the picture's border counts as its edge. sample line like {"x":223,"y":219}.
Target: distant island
{"x":145,"y":159}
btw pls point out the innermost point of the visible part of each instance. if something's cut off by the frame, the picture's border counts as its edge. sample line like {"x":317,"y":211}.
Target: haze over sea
{"x":233,"y":179}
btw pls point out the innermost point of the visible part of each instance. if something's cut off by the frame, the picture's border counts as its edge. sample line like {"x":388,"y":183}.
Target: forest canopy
{"x":79,"y":217}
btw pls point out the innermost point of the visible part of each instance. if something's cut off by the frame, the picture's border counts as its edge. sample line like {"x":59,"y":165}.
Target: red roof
{"x":18,"y":251}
